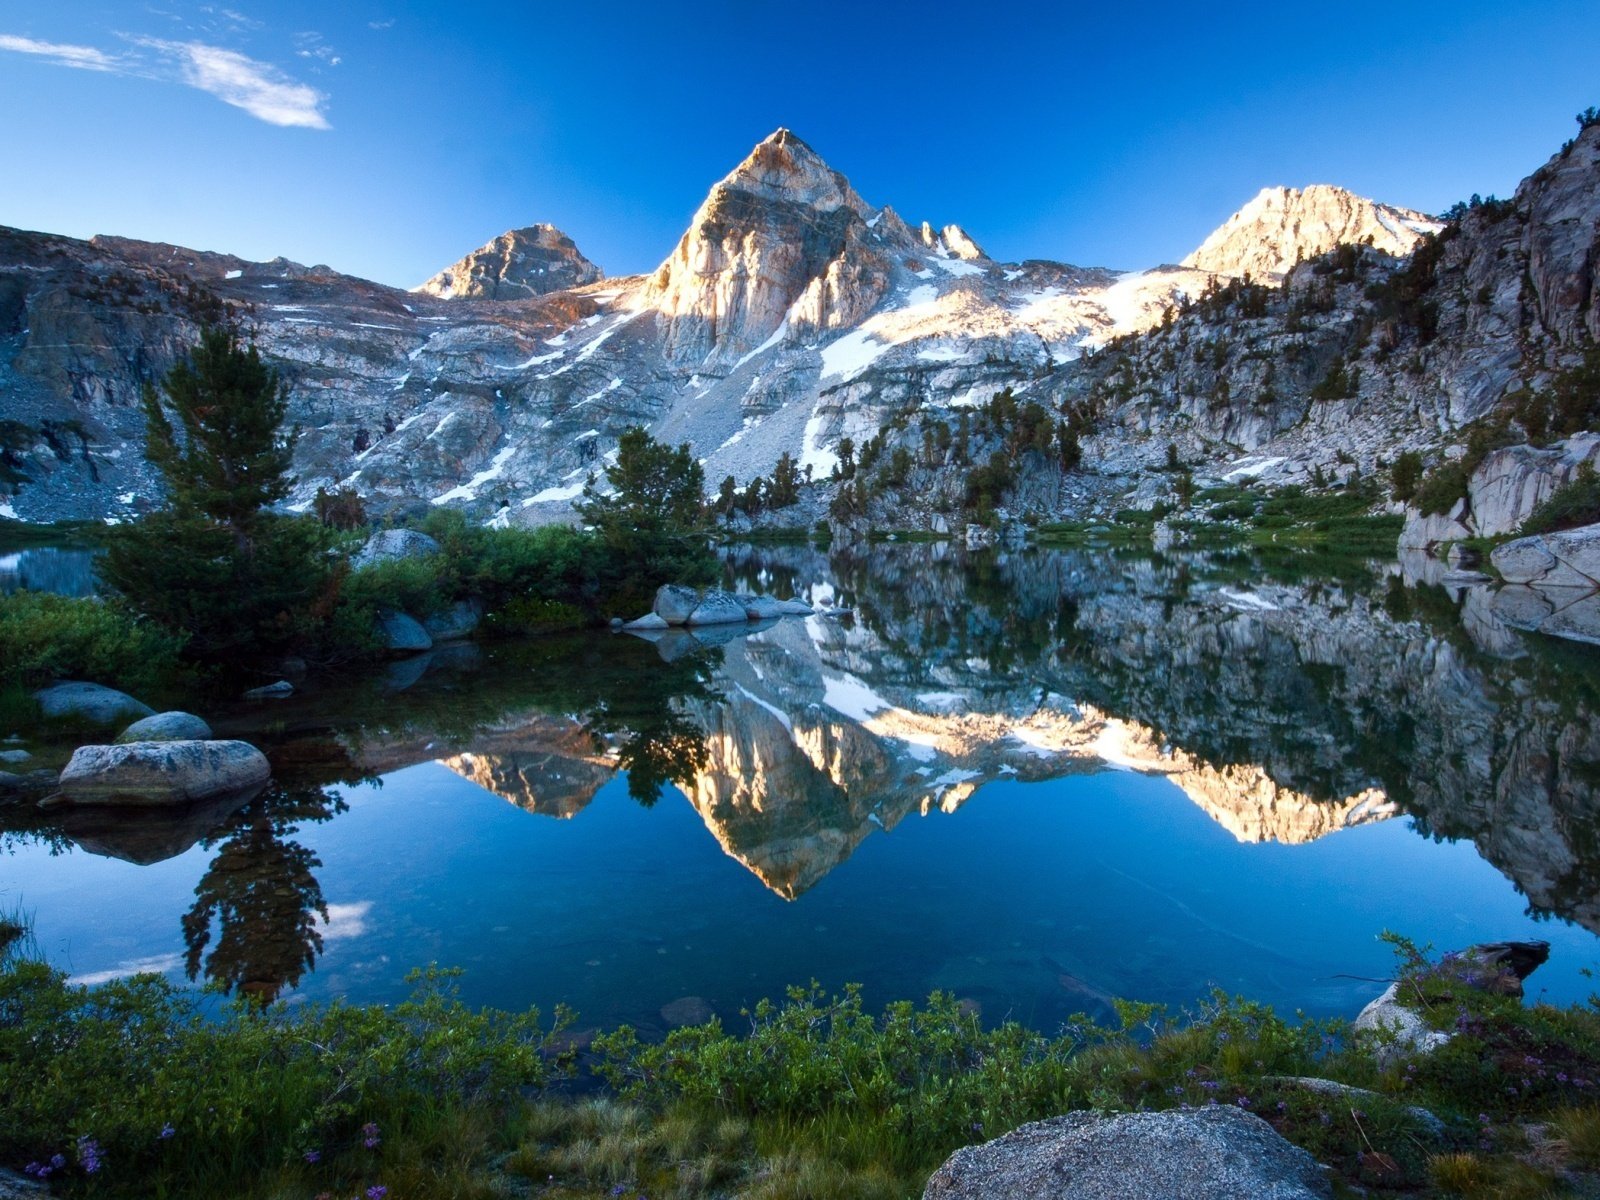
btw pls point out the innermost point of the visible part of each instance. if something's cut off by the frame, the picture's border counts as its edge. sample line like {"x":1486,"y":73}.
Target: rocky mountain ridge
{"x":791,"y":314}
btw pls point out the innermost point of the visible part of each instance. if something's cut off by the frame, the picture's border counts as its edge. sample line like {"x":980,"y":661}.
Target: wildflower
{"x":1243,"y":1101}
{"x":312,"y":1156}
{"x":57,"y":1161}
{"x":618,"y":1190}
{"x":89,"y":1154}
{"x":1483,"y":1118}
{"x":1282,"y":1107}
{"x":38,"y":1170}
{"x":377,"y":1192}
{"x":977,"y":1127}
{"x":166,"y":1131}
{"x":1561,"y":1076}
{"x":369,"y":1135}
{"x":1222,"y":1036}
{"x":1210,"y":1085}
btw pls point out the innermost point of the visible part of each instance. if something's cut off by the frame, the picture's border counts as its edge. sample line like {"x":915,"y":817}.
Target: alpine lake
{"x":1036,"y":779}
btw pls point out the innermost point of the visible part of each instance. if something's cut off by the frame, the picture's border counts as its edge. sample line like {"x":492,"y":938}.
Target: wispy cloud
{"x":259,"y":88}
{"x":389,"y":24}
{"x":85,"y":58}
{"x":312,"y":45}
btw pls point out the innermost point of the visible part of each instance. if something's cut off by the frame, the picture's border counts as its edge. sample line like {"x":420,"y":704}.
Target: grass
{"x":23,"y":535}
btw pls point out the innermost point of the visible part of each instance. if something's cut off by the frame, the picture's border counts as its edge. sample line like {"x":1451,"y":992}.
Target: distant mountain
{"x":518,"y":264}
{"x":794,"y":314}
{"x":1282,"y":226}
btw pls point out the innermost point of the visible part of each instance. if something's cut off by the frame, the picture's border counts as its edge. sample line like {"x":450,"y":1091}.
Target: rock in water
{"x":402,"y":634}
{"x":167,"y":727}
{"x":687,"y":1010}
{"x":1200,"y":1154}
{"x":674,"y":603}
{"x":456,"y":622}
{"x":760,"y":608}
{"x":162,"y":772}
{"x":271,"y":691}
{"x":388,"y":545}
{"x":718,"y":608}
{"x":650,"y":620}
{"x":90,"y":702}
{"x":1570,"y":558}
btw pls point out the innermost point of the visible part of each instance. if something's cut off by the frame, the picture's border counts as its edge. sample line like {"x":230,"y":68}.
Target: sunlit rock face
{"x":783,"y":238}
{"x":518,"y":264}
{"x":1282,"y":226}
{"x":548,"y":765}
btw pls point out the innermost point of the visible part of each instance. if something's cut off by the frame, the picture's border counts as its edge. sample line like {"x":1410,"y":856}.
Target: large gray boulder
{"x":794,"y":608}
{"x":456,"y":622}
{"x":1197,"y":1154}
{"x":90,"y":702}
{"x":139,"y":773}
{"x":1569,"y":558}
{"x":387,"y":545}
{"x":402,"y":634}
{"x":1395,"y":1031}
{"x":718,"y":608}
{"x":760,"y":608}
{"x":167,"y":727}
{"x":1567,"y":612}
{"x":674,"y":603}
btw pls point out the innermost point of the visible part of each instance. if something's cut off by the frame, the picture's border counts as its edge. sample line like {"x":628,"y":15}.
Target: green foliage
{"x":246,"y":1092}
{"x":235,"y":599}
{"x":233,"y":459}
{"x":1340,"y":383}
{"x":1405,"y":475}
{"x":45,"y":637}
{"x":987,"y":485}
{"x":341,"y":509}
{"x":1440,"y":490}
{"x":1575,"y":503}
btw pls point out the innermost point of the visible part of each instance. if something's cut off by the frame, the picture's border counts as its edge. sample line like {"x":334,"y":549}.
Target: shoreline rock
{"x":161,"y":773}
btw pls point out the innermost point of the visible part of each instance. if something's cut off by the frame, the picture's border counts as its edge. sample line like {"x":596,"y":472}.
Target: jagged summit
{"x":518,"y":264}
{"x":1282,"y":225}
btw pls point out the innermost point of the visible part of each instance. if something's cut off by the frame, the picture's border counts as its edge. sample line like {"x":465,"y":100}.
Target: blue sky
{"x":388,"y":137}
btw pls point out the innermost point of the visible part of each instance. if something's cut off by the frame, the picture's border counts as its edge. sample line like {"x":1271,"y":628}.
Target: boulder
{"x":1568,"y":558}
{"x":718,"y":608}
{"x":138,"y":773}
{"x":760,"y":608}
{"x":649,"y":621}
{"x":402,"y":634}
{"x":1572,"y":613}
{"x":1194,"y":1154}
{"x":387,"y":545}
{"x":13,"y":757}
{"x":32,"y":785}
{"x":1395,"y":1031}
{"x":90,"y":702}
{"x":456,"y":622}
{"x":674,"y":603}
{"x":167,"y":727}
{"x":794,"y":608}
{"x":1579,"y":622}
{"x":271,"y":691}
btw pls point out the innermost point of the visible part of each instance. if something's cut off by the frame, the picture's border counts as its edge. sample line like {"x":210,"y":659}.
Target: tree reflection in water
{"x":262,"y":896}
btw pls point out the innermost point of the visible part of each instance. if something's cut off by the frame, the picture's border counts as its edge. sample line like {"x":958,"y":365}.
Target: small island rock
{"x":90,"y":702}
{"x":167,"y":727}
{"x":402,"y":634}
{"x":137,"y":773}
{"x":674,"y":603}
{"x":718,"y":608}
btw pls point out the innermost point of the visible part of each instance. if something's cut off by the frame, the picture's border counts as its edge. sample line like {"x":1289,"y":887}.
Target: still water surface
{"x":1035,"y":780}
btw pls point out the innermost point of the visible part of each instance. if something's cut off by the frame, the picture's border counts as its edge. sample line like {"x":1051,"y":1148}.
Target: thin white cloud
{"x":85,"y":58}
{"x":389,"y":24}
{"x":155,"y":964}
{"x":259,"y":88}
{"x":312,"y":45}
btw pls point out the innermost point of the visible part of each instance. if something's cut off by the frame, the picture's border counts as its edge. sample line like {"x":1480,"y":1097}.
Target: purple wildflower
{"x":89,"y":1154}
{"x":377,"y":1192}
{"x":312,"y":1156}
{"x":369,"y":1135}
{"x":166,"y":1131}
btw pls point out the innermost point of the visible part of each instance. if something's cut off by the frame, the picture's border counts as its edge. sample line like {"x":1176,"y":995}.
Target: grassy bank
{"x":140,"y":1088}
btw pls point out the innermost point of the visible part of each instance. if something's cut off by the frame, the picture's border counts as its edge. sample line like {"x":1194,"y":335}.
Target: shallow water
{"x":1035,"y":780}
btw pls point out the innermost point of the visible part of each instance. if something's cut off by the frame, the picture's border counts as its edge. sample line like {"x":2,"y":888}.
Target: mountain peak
{"x":520,"y":263}
{"x":782,"y":167}
{"x":1281,"y":225}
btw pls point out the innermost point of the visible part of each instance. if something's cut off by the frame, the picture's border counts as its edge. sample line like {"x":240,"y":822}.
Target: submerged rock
{"x":649,"y":621}
{"x":271,"y":691}
{"x":1570,"y":558}
{"x":167,"y":727}
{"x":90,"y":702}
{"x":138,"y":773}
{"x":1219,"y":1151}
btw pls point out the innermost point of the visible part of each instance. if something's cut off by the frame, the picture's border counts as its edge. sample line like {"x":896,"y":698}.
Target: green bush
{"x":1575,"y":503}
{"x":154,"y":1092}
{"x":45,"y":637}
{"x":1441,"y":488}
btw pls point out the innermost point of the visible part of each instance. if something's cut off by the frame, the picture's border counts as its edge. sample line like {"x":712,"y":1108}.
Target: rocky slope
{"x":794,"y":314}
{"x":518,"y":264}
{"x":1283,"y":226}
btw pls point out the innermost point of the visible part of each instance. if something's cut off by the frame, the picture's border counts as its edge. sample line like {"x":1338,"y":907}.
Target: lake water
{"x":1034,"y":779}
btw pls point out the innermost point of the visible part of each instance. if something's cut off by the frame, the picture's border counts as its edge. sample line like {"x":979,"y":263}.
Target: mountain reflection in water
{"x":1287,"y":699}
